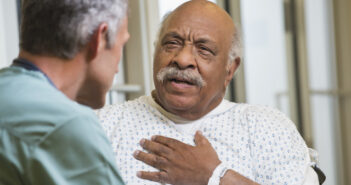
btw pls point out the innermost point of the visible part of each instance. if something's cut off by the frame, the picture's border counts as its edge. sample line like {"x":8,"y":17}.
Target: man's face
{"x":198,"y":44}
{"x":101,"y":72}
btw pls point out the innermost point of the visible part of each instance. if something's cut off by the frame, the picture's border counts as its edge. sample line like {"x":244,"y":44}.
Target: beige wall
{"x":342,"y":16}
{"x":138,"y":55}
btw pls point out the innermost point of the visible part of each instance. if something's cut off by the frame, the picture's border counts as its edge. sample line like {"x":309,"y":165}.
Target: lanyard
{"x":20,"y":62}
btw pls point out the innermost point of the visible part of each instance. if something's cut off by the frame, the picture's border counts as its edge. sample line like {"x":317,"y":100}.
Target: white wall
{"x":265,"y":60}
{"x":170,"y":5}
{"x":8,"y":32}
{"x":3,"y":56}
{"x":320,"y":63}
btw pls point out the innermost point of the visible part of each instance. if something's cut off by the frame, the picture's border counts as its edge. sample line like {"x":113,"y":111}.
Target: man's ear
{"x":231,"y":68}
{"x":97,"y":41}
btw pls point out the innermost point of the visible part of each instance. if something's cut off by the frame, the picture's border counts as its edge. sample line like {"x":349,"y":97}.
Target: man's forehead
{"x":202,"y":19}
{"x":194,"y":18}
{"x":200,"y":9}
{"x":200,"y":31}
{"x":186,"y":34}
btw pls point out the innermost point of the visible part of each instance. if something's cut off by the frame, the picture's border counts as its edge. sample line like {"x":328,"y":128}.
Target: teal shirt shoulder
{"x":45,"y":138}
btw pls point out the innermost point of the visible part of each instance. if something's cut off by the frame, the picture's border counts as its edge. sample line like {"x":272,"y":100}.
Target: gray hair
{"x":236,"y":43}
{"x":61,"y":28}
{"x":236,"y":49}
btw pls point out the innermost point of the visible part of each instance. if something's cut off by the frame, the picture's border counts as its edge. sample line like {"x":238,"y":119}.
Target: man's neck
{"x":187,"y":114}
{"x":67,"y":75}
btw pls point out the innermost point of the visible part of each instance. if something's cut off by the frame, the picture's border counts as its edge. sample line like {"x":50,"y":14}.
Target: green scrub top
{"x":45,"y":138}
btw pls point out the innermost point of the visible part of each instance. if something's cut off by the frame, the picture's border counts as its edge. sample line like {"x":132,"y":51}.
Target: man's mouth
{"x":181,"y":80}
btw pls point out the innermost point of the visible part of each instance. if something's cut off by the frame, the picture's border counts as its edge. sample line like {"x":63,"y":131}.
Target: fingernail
{"x":142,"y":142}
{"x":138,"y":174}
{"x":153,"y":138}
{"x":199,"y":132}
{"x":135,"y":153}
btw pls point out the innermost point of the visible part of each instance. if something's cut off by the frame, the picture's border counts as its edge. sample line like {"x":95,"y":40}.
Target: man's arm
{"x":181,"y":164}
{"x":76,"y":153}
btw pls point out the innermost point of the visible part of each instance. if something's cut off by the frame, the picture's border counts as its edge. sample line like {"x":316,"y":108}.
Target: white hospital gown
{"x":258,"y":142}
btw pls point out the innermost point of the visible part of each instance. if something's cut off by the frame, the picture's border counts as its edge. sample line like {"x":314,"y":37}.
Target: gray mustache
{"x":187,"y":74}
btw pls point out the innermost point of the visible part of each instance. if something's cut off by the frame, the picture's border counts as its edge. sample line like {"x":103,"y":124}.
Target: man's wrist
{"x":217,"y":174}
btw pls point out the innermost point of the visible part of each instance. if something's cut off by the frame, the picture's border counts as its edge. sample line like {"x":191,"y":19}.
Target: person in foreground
{"x":196,"y":56}
{"x":67,"y":47}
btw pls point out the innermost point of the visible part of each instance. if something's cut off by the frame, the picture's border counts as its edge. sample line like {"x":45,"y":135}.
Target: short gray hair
{"x":61,"y":28}
{"x":235,"y":50}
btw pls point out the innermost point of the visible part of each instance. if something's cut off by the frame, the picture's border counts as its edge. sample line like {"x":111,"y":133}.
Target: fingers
{"x":175,"y":144}
{"x":151,"y":159}
{"x":155,"y":147}
{"x":161,"y":176}
{"x":171,"y":143}
{"x":200,"y":139}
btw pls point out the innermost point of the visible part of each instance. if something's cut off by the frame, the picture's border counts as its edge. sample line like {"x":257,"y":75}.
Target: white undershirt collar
{"x":190,"y":126}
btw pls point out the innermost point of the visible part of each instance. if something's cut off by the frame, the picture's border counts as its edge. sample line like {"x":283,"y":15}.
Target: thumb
{"x":200,"y":139}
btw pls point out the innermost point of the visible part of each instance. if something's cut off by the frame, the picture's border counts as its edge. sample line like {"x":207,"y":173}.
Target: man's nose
{"x":185,"y":58}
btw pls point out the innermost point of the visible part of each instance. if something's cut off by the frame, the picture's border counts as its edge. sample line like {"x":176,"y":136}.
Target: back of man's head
{"x":61,"y":28}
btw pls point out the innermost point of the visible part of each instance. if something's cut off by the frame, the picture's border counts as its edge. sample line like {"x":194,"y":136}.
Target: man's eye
{"x":205,"y":51}
{"x":171,"y":44}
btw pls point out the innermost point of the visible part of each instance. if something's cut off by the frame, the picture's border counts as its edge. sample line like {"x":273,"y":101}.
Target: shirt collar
{"x":28,"y":65}
{"x":222,"y":107}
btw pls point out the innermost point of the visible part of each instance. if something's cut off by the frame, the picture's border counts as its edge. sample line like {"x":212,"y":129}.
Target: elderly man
{"x":195,"y":59}
{"x":67,"y":47}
